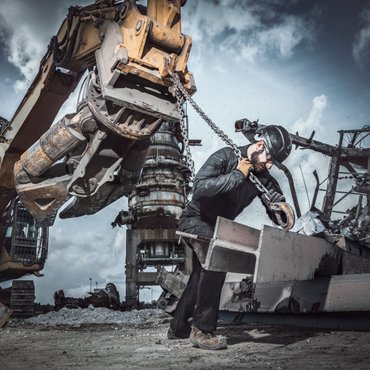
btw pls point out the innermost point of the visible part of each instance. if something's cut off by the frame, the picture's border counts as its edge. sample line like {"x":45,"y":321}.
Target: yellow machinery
{"x":95,"y":155}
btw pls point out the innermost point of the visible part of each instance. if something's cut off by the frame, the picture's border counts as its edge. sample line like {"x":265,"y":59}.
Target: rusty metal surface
{"x":152,"y":38}
{"x":284,"y":214}
{"x":147,"y":38}
{"x":172,"y":282}
{"x":34,"y":161}
{"x":141,"y":45}
{"x":92,"y":172}
{"x":22,"y":298}
{"x":44,"y":199}
{"x":131,"y":47}
{"x":24,"y":245}
{"x":166,"y":26}
{"x":32,"y":119}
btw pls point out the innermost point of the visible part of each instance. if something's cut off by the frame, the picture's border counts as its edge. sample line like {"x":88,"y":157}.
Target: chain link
{"x":185,"y":137}
{"x":181,"y":95}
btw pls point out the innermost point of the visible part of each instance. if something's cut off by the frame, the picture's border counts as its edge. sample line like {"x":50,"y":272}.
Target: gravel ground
{"x":137,"y":340}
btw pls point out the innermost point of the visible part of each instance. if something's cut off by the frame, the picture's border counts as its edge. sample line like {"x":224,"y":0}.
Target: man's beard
{"x":258,"y":166}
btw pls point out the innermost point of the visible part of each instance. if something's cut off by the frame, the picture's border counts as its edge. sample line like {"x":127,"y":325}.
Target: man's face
{"x":260,"y":159}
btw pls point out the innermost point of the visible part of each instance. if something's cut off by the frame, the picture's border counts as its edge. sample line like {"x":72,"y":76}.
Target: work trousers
{"x":200,"y":300}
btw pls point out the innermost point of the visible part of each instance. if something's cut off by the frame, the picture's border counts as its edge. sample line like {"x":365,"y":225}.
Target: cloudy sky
{"x":303,"y":64}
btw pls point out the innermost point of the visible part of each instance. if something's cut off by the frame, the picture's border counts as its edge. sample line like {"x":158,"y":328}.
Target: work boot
{"x":172,"y":335}
{"x":205,"y":340}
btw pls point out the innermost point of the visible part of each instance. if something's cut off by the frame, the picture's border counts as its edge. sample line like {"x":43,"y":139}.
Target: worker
{"x":222,"y":188}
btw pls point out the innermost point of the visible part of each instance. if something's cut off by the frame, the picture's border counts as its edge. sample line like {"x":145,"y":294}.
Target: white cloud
{"x":306,"y":161}
{"x":361,"y":44}
{"x":313,"y":122}
{"x":24,"y":46}
{"x":25,"y":30}
{"x":25,"y":52}
{"x":283,"y":37}
{"x":247,"y":30}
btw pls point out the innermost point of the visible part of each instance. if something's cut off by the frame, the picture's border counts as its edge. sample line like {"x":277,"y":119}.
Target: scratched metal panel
{"x":339,"y":293}
{"x":292,"y":296}
{"x":348,"y":293}
{"x":286,"y":256}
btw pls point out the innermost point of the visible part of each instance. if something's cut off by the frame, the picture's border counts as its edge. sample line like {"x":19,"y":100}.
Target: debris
{"x":5,"y":313}
{"x":309,"y":224}
{"x":99,"y":315}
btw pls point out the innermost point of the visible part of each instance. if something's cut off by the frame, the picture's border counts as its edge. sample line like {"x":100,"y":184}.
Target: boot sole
{"x":196,"y":344}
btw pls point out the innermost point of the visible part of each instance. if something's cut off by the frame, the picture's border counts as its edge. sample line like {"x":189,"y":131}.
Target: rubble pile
{"x":99,"y":315}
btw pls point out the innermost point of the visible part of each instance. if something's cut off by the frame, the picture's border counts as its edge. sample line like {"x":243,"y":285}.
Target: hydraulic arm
{"x":96,"y":153}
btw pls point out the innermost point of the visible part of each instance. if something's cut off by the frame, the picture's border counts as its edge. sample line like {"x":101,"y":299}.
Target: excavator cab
{"x":24,"y":245}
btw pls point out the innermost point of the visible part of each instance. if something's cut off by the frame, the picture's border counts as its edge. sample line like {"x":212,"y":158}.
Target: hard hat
{"x":278,"y":141}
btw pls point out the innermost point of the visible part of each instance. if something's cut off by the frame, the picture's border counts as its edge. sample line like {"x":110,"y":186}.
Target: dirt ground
{"x":26,"y":346}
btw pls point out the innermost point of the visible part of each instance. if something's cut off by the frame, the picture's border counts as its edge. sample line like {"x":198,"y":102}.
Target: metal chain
{"x":179,"y":87}
{"x":182,"y":94}
{"x":185,"y":136}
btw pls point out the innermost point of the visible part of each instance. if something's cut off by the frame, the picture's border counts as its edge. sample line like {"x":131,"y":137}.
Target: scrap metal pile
{"x":99,"y":315}
{"x":349,"y":160}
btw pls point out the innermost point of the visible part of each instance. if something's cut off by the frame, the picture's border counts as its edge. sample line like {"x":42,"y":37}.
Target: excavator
{"x":122,"y":54}
{"x":130,"y":62}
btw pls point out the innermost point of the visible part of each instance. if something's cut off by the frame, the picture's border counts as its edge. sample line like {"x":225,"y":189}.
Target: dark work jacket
{"x":222,"y":190}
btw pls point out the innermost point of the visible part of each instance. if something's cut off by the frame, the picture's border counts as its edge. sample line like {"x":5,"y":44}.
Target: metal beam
{"x":336,"y":320}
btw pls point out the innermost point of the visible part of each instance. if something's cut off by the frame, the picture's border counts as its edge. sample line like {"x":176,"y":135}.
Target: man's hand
{"x":245,"y":166}
{"x":275,"y":196}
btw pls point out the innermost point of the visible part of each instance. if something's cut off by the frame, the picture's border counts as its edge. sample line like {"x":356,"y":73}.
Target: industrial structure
{"x":155,"y":206}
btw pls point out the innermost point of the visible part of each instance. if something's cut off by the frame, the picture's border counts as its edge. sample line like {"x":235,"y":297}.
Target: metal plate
{"x":233,"y":248}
